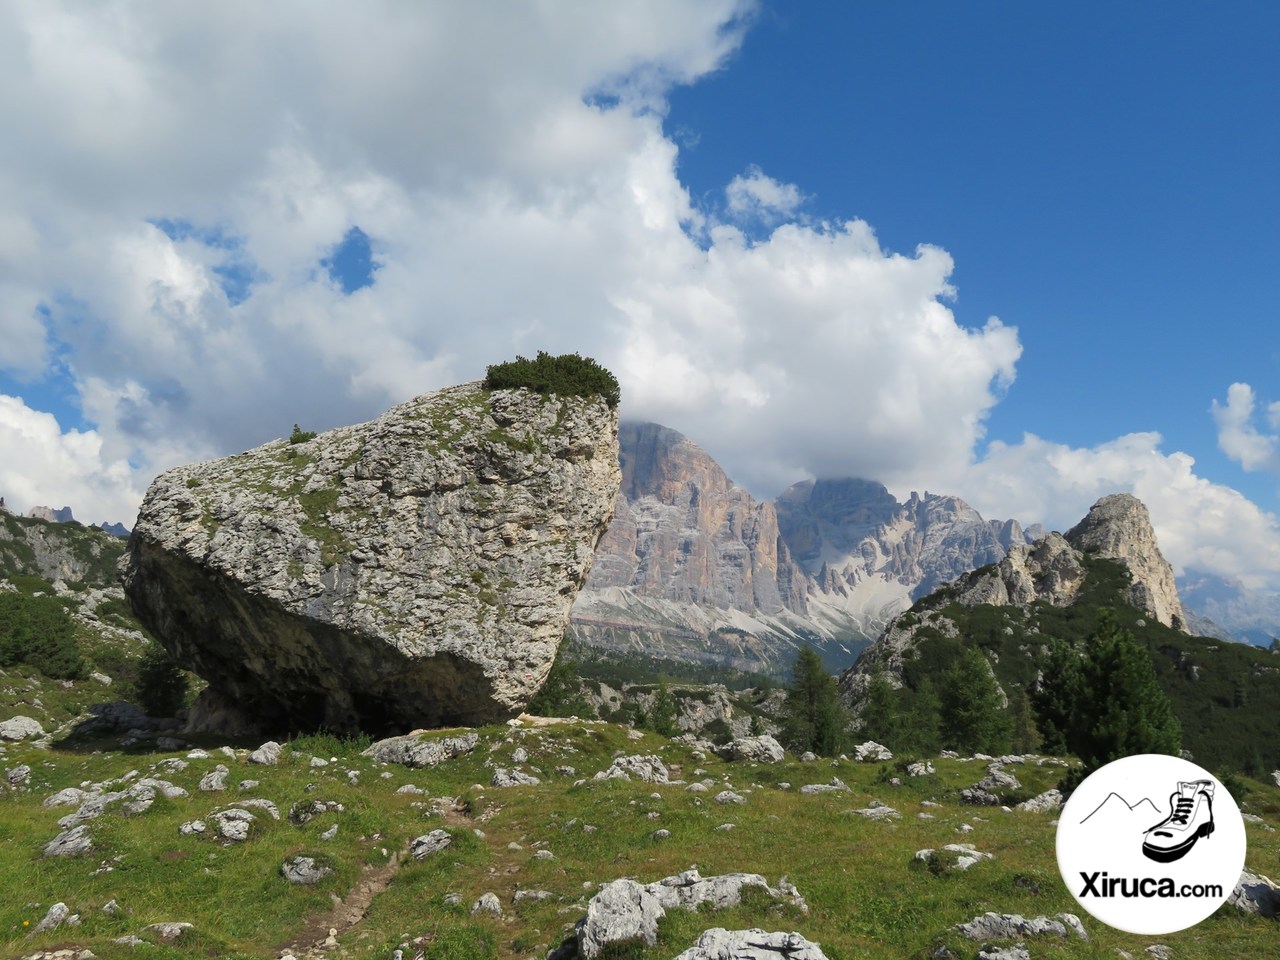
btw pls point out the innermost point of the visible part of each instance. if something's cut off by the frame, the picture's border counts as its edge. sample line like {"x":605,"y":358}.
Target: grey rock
{"x":954,"y":856}
{"x":976,"y":796}
{"x":513,"y":778}
{"x":414,"y":571}
{"x":129,"y":940}
{"x":20,"y":728}
{"x":535,"y":895}
{"x":429,"y":843}
{"x":169,"y":930}
{"x":1159,"y":951}
{"x":258,"y":803}
{"x":488,"y":903}
{"x":998,"y":780}
{"x":991,"y":952}
{"x":519,"y":755}
{"x":761,"y":749}
{"x":268,"y":754}
{"x":193,"y":827}
{"x":649,"y":769}
{"x":661,"y":835}
{"x":624,"y":910}
{"x":304,"y":870}
{"x":71,"y":796}
{"x":721,"y":944}
{"x":728,"y":796}
{"x":330,"y":833}
{"x":878,"y":813}
{"x":1048,"y":801}
{"x":232,"y":825}
{"x":1010,"y":926}
{"x":112,"y":908}
{"x":304,"y":811}
{"x":871,"y":752}
{"x":70,"y":843}
{"x":58,"y":915}
{"x":1256,"y":894}
{"x":214,"y":780}
{"x":18,"y":776}
{"x":808,"y":756}
{"x":420,"y":749}
{"x":920,"y":768}
{"x":835,"y":786}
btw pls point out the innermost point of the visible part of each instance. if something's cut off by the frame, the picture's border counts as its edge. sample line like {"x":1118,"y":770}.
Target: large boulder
{"x":415,"y":571}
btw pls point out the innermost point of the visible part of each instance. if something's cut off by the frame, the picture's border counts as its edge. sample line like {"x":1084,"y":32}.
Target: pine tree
{"x":1104,"y":702}
{"x":923,"y":733}
{"x":973,"y":719}
{"x":881,"y":710}
{"x":662,"y":715}
{"x":813,"y":717}
{"x":1026,"y":738}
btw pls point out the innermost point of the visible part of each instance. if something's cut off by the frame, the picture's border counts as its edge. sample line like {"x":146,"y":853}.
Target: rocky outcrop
{"x":1118,"y":527}
{"x":415,"y":571}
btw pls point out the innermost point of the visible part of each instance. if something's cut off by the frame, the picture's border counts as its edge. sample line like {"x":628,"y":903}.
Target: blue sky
{"x":786,"y":227}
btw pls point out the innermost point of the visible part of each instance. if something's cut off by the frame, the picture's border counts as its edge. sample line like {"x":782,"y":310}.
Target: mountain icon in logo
{"x":1116,"y":810}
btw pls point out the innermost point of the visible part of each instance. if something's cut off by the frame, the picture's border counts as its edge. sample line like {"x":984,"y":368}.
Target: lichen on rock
{"x":414,"y":571}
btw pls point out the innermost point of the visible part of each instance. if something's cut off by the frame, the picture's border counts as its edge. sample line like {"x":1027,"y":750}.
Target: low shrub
{"x":568,"y":375}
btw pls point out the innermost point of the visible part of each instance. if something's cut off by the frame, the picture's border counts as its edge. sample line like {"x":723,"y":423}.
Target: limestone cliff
{"x":1118,"y":527}
{"x":414,"y":571}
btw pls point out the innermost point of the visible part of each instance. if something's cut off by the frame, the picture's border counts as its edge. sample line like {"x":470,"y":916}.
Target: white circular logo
{"x":1151,"y":844}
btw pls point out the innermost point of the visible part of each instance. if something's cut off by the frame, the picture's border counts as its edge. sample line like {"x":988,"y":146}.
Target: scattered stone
{"x":488,"y":903}
{"x":244,"y":786}
{"x":304,"y":811}
{"x":661,"y":835}
{"x":513,"y":778}
{"x":20,"y":728}
{"x":315,"y":762}
{"x":1159,"y":951}
{"x":410,"y":788}
{"x":835,"y":786}
{"x":70,"y":843}
{"x":257,"y":803}
{"x":169,"y":930}
{"x":215,"y":780}
{"x":721,"y":944}
{"x":920,"y":768}
{"x":19,"y":776}
{"x":697,"y":788}
{"x":543,"y":855}
{"x":71,"y":796}
{"x":991,"y":952}
{"x":649,"y":769}
{"x":1275,"y":777}
{"x":268,"y":754}
{"x":232,"y":825}
{"x":998,"y":780}
{"x":1256,"y":894}
{"x":420,"y":749}
{"x":725,"y":827}
{"x":1010,"y":926}
{"x":728,"y":796}
{"x":304,"y":870}
{"x":198,"y":754}
{"x":808,"y":756}
{"x":330,"y":833}
{"x":129,"y":941}
{"x":976,"y":796}
{"x":1045,"y":802}
{"x":871,"y":752}
{"x":193,"y":828}
{"x":59,"y":915}
{"x":429,"y":843}
{"x":624,"y":910}
{"x":112,"y":908}
{"x":522,"y":895}
{"x":566,"y":771}
{"x":519,"y":755}
{"x":874,"y":812}
{"x":761,"y":749}
{"x":954,"y":856}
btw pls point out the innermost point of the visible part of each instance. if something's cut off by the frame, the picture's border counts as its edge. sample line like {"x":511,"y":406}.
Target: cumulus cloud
{"x":176,"y":175}
{"x":40,"y":465}
{"x":1238,"y":435}
{"x":1200,"y":525}
{"x":759,"y":195}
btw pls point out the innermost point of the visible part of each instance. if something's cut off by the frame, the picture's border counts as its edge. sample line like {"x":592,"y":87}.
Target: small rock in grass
{"x":488,"y":903}
{"x":304,"y":870}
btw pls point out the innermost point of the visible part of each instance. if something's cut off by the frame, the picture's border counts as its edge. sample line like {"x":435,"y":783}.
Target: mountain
{"x":63,"y":515}
{"x":1247,"y":615}
{"x":1058,"y":589}
{"x":694,"y":568}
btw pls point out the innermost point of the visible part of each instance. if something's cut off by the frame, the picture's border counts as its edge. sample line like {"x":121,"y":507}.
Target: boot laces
{"x":1182,"y":810}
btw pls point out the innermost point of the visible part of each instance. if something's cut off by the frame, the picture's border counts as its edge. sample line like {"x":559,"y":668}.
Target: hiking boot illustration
{"x":1190,"y":818}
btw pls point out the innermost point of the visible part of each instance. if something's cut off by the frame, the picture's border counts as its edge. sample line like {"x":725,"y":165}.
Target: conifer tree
{"x":813,"y":717}
{"x":923,"y":732}
{"x":973,"y":719}
{"x":881,"y":710}
{"x":662,"y":715}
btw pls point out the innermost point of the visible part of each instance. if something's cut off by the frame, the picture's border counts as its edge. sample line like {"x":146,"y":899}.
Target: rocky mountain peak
{"x":1118,"y":527}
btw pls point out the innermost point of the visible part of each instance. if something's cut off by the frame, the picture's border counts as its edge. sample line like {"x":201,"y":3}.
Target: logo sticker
{"x":1151,"y":844}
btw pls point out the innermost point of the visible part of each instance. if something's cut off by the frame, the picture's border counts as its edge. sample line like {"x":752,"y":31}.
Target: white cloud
{"x":1199,"y":524}
{"x":511,"y":167}
{"x":759,"y":195}
{"x":40,"y":465}
{"x":1239,"y":438}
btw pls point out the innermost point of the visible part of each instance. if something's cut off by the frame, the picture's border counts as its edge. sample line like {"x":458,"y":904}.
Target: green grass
{"x":866,"y":896}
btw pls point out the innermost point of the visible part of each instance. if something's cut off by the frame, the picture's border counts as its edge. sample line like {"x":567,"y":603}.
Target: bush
{"x":300,"y":436}
{"x":37,"y":631}
{"x":162,"y":685}
{"x":568,"y":375}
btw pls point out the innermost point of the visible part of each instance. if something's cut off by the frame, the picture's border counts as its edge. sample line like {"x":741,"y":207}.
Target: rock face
{"x":414,"y":571}
{"x":693,"y":567}
{"x":1051,"y":570}
{"x":1118,"y":527}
